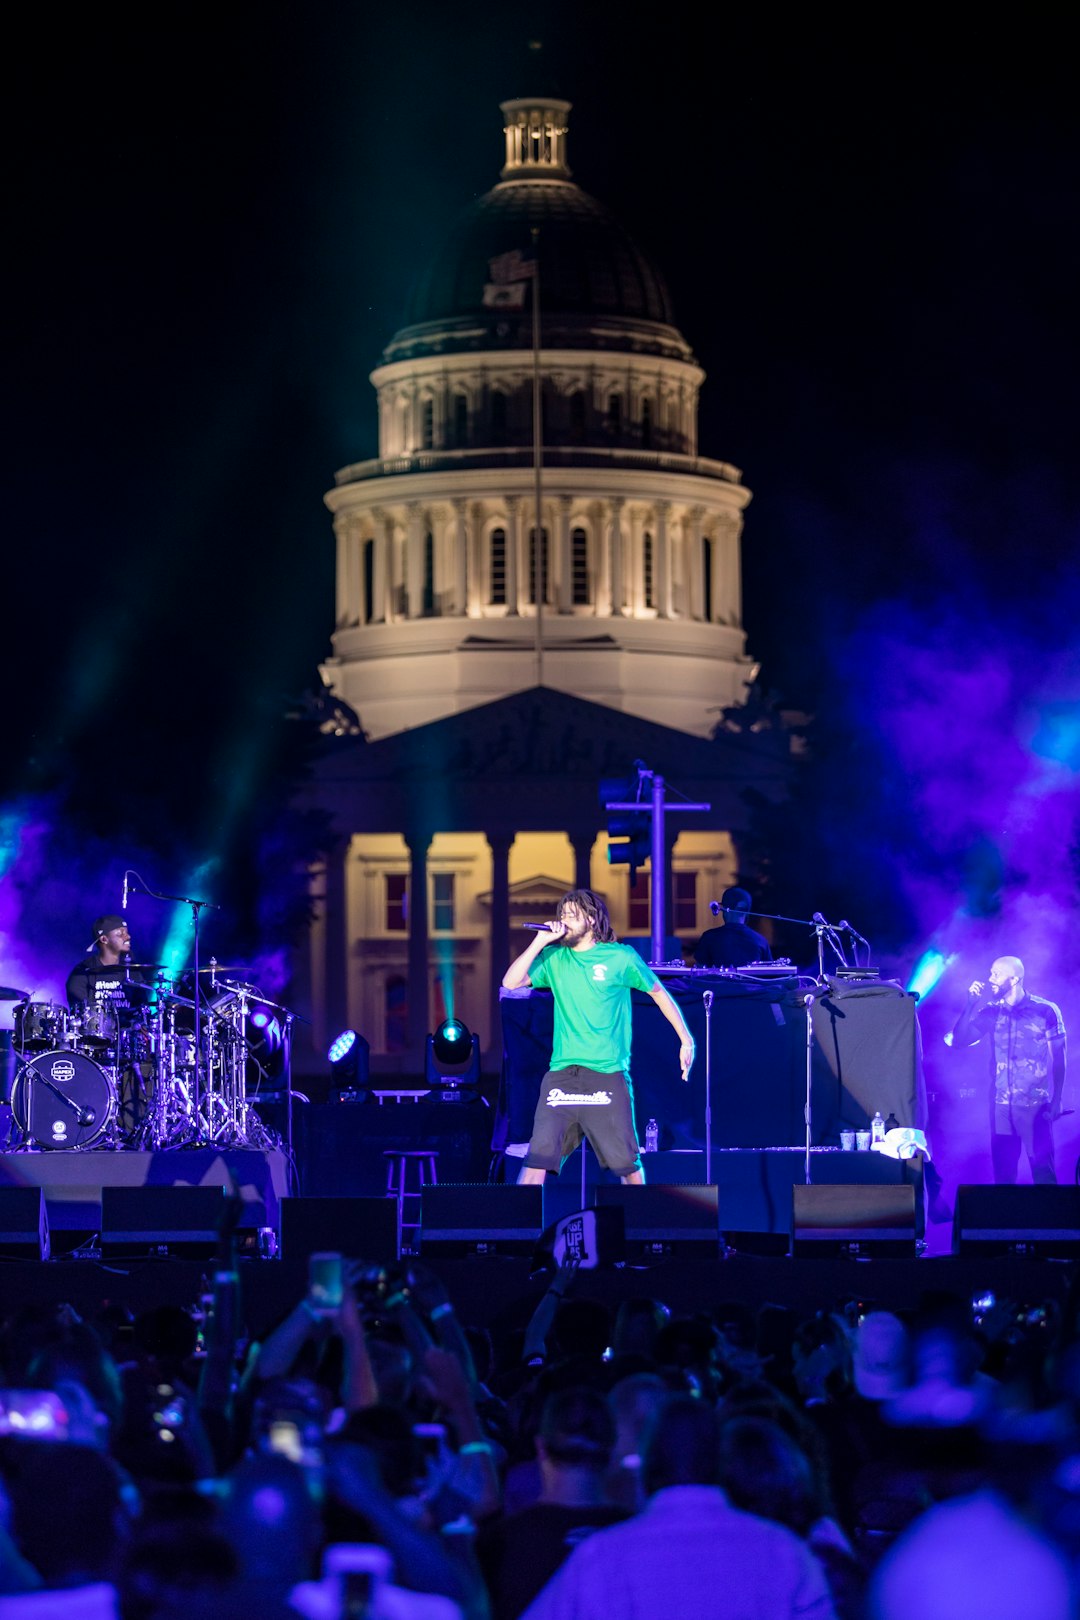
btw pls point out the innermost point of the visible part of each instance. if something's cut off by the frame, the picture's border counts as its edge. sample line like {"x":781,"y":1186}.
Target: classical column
{"x":475,"y":572}
{"x":418,"y":841}
{"x":697,"y":606}
{"x":380,"y":573}
{"x":353,"y":573}
{"x":582,"y":840}
{"x":618,"y":559}
{"x":513,"y":552}
{"x":563,"y":570}
{"x":502,"y":952}
{"x":335,"y":997}
{"x":662,"y":561}
{"x":414,"y":562}
{"x":460,"y":555}
{"x":341,"y":533}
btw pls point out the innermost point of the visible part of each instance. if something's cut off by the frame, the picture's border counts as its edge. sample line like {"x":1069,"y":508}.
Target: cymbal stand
{"x":809,"y":1005}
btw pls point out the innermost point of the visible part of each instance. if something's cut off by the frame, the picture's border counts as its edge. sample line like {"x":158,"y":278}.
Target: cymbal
{"x":217,"y":968}
{"x":158,"y":967}
{"x":8,"y":993}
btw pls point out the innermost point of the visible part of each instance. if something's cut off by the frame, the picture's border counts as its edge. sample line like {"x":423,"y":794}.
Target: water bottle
{"x":877,"y":1129}
{"x":652,"y":1136}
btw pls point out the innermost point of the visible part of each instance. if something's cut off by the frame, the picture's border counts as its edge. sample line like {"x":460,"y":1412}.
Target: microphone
{"x":86,"y":1116}
{"x":538,"y":928}
{"x":854,"y":932}
{"x":123,"y":906}
{"x":707,"y":1000}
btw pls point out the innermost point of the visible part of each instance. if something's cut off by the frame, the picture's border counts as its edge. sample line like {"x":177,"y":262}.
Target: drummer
{"x":104,"y":976}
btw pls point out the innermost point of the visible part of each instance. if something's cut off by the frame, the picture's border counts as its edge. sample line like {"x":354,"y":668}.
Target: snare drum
{"x":62,"y":1100}
{"x":40,"y":1026}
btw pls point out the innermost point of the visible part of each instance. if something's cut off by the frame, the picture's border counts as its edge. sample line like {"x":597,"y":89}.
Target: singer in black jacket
{"x":734,"y":943}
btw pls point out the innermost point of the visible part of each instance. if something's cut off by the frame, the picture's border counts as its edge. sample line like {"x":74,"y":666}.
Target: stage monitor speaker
{"x":854,"y":1220}
{"x":24,"y":1223}
{"x":666,"y":1218}
{"x":1025,"y":1219}
{"x":480,"y":1217}
{"x":363,"y":1228}
{"x":160,"y":1222}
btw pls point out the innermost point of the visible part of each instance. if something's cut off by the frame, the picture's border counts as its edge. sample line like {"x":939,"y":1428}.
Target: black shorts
{"x":579,"y":1102}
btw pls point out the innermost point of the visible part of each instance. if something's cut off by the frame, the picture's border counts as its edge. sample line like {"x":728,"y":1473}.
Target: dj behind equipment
{"x":142,"y":1057}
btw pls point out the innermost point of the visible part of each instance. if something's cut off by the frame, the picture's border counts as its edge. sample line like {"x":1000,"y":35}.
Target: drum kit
{"x":149,"y":1071}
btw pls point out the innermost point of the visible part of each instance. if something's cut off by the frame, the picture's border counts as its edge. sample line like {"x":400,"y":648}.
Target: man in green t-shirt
{"x":587,"y":1090}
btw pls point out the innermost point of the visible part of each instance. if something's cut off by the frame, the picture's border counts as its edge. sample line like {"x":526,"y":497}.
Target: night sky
{"x":870,"y":235}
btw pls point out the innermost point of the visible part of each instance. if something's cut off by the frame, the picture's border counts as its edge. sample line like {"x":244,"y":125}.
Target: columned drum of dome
{"x":637,"y":548}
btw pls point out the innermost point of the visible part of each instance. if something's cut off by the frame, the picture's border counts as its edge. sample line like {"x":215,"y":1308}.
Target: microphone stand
{"x":809,"y":1004}
{"x":707,"y":1000}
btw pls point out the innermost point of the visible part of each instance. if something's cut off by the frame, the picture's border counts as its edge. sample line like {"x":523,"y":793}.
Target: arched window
{"x":498,"y":417}
{"x":614,"y":415}
{"x":427,"y":424}
{"x":461,"y":421}
{"x":369,"y":581}
{"x":427,"y":604}
{"x":646,"y":423}
{"x":577,"y":417}
{"x":538,"y":564}
{"x":579,"y":568}
{"x":498,"y":567}
{"x":647,"y":585}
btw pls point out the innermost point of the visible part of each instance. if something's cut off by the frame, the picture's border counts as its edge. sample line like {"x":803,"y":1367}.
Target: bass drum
{"x":63,"y":1100}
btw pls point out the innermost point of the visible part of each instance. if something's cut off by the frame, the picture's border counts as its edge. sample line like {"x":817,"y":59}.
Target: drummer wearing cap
{"x":104,"y":975}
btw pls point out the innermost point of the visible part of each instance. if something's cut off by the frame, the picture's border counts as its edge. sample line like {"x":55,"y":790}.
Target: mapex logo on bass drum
{"x":62,"y":1071}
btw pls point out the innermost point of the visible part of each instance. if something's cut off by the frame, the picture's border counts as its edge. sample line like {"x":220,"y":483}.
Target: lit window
{"x":640,"y":891}
{"x":397,"y":902}
{"x":579,"y":567}
{"x":684,"y":897}
{"x":442,"y":902}
{"x":498,"y":566}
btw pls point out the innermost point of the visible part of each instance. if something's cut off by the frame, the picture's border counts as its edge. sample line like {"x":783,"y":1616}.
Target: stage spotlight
{"x":349,"y":1057}
{"x":453,"y":1061}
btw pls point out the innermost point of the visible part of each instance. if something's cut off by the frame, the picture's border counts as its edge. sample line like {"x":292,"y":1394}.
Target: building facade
{"x":539,"y":525}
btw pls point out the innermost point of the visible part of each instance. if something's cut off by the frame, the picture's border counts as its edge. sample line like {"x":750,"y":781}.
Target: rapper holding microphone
{"x":1025,"y":1039}
{"x":587,"y":1090}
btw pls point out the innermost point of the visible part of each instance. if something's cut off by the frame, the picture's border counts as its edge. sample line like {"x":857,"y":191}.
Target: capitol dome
{"x":598,"y":288}
{"x":539,"y":513}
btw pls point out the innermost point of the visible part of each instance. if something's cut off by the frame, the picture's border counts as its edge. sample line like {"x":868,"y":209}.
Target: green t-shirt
{"x":591,"y":989}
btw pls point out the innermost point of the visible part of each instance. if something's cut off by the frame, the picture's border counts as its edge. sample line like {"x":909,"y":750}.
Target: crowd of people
{"x":383,"y":1457}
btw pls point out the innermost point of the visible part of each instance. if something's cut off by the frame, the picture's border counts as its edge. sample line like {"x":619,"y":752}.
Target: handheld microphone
{"x":537,"y":928}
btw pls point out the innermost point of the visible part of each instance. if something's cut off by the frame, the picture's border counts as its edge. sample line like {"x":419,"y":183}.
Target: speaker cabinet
{"x":854,"y":1220}
{"x":666,"y":1219}
{"x":480,"y":1218}
{"x":24,"y":1223}
{"x":360,"y":1228}
{"x":1017,"y":1220}
{"x":159,"y":1222}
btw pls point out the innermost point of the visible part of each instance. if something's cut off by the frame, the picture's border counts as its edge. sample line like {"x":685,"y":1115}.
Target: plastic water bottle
{"x":652,"y":1136}
{"x":877,"y":1129}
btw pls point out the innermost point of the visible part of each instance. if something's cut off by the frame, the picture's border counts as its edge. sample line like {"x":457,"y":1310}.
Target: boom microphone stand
{"x":707,"y":1000}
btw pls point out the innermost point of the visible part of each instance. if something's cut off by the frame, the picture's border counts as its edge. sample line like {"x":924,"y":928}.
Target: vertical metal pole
{"x":659,"y":874}
{"x":809,"y":1053}
{"x":539,"y":550}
